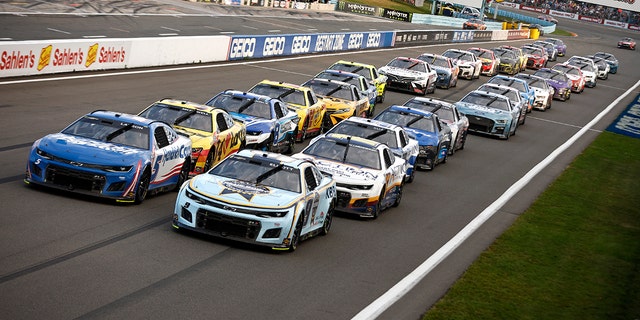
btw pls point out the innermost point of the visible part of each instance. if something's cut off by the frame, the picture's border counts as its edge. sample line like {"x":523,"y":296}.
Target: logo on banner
{"x":242,"y":48}
{"x":45,"y":57}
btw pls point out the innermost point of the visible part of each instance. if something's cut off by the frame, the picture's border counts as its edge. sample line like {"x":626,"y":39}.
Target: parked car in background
{"x":558,"y":80}
{"x":474,"y":24}
{"x":302,"y":100}
{"x":447,"y":113}
{"x":369,"y":177}
{"x":543,"y":90}
{"x":470,"y":66}
{"x":260,"y":198}
{"x":111,"y":155}
{"x":490,"y":62}
{"x":369,"y":71}
{"x":214,"y":133}
{"x":271,"y":126}
{"x":445,"y":68}
{"x":433,"y":137}
{"x":489,"y":113}
{"x":410,"y":74}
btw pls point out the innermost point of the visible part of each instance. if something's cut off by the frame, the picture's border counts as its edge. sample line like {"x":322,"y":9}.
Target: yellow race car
{"x":369,"y":71}
{"x":342,"y":99}
{"x":214,"y":134}
{"x":302,"y":100}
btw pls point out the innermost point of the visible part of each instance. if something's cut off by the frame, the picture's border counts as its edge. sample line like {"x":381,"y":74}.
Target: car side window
{"x":388,"y":157}
{"x":228,"y":120}
{"x":319,"y":176}
{"x":278,"y":109}
{"x":404,"y":140}
{"x":374,"y":72}
{"x":356,"y":94}
{"x":161,"y":137}
{"x":312,"y":98}
{"x":310,"y":178}
{"x":221,"y":122}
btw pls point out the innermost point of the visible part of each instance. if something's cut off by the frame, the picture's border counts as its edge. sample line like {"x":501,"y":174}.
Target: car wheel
{"x":398,"y":195}
{"x":143,"y":186}
{"x":378,"y":208}
{"x":305,"y":127}
{"x":209,"y":162}
{"x":327,"y":219}
{"x":295,"y":237}
{"x":381,"y":97}
{"x":184,"y":174}
{"x":412,"y":176}
{"x":292,"y":145}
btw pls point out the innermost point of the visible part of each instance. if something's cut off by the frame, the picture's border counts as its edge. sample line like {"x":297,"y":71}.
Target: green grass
{"x":575,"y":254}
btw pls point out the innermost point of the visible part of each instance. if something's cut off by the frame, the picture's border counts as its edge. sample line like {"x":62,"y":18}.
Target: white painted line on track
{"x":561,"y":123}
{"x":56,"y":30}
{"x":394,"y":294}
{"x":170,"y":29}
{"x":93,"y":37}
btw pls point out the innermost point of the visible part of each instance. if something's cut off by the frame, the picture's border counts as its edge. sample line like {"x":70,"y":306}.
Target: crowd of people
{"x":585,"y":9}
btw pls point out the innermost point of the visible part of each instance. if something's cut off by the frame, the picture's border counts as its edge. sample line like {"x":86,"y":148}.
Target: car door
{"x":169,"y":156}
{"x":313,"y":217}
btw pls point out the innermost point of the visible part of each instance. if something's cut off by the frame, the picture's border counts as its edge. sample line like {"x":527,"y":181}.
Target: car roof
{"x":354,"y":140}
{"x":424,"y":113}
{"x":250,"y":95}
{"x":284,"y":84}
{"x":120,"y":116}
{"x":265,"y":156}
{"x":187,"y":105}
{"x":372,"y":122}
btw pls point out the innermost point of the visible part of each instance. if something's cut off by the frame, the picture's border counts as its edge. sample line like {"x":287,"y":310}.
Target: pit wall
{"x":28,"y":58}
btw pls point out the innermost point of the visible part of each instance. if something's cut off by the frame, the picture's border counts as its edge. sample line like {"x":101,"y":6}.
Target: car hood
{"x":342,"y":172}
{"x":241,"y":192}
{"x":402,"y":72}
{"x":424,"y":137}
{"x":478,"y":110}
{"x":86,"y":150}
{"x":253,"y":123}
{"x":333,"y":103}
{"x":198,"y":138}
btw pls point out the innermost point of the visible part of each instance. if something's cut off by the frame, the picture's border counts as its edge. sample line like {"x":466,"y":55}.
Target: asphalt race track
{"x":65,"y":256}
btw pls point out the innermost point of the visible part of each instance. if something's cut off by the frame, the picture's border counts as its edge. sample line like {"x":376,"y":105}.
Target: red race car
{"x":627,"y":43}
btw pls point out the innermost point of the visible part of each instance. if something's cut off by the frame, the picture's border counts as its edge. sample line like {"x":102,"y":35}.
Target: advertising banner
{"x":396,"y":15}
{"x":411,"y":38}
{"x":248,"y":47}
{"x":357,"y":8}
{"x":628,"y":122}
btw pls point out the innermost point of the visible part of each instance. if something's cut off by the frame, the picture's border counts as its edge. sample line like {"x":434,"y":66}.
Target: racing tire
{"x":209,"y":162}
{"x":291,"y":149}
{"x":184,"y":174}
{"x":376,"y":211}
{"x":328,"y":219}
{"x":143,"y":186}
{"x":295,"y":237}
{"x":396,"y":203}
{"x":412,"y":176}
{"x":305,"y":127}
{"x":380,"y":98}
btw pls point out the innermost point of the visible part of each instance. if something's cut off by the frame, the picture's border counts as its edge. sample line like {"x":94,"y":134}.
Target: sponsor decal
{"x":462,"y":36}
{"x":242,"y":48}
{"x":397,"y":15}
{"x":628,"y":122}
{"x":244,"y":189}
{"x":67,"y":57}
{"x":111,"y":54}
{"x":17,"y":60}
{"x":45,"y":57}
{"x":92,"y":54}
{"x":301,"y":44}
{"x":329,"y":42}
{"x":589,"y":19}
{"x":273,"y":46}
{"x":357,"y":8}
{"x":534,"y":9}
{"x":373,"y":40}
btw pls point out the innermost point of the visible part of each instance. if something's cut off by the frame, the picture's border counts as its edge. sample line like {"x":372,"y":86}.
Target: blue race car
{"x":258,"y":197}
{"x":271,"y":126}
{"x":490,"y":113}
{"x":111,"y":155}
{"x":434,"y":137}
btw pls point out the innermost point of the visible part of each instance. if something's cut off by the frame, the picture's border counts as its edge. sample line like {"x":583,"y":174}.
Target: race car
{"x":588,"y":68}
{"x":627,"y":43}
{"x":509,"y":61}
{"x":536,"y":57}
{"x":490,"y":63}
{"x":603,"y":67}
{"x":611,"y":60}
{"x":395,"y":137}
{"x":213,"y":132}
{"x":111,"y":155}
{"x":549,"y":47}
{"x":448,"y":114}
{"x":342,"y":99}
{"x":366,"y":88}
{"x":474,"y":24}
{"x":574,"y":74}
{"x":302,"y":100}
{"x":470,"y":66}
{"x":271,"y":126}
{"x":369,"y":177}
{"x":434,"y":137}
{"x":410,"y":74}
{"x":369,"y":71}
{"x":489,"y":113}
{"x":527,"y":93}
{"x":446,"y":69}
{"x":558,"y":80}
{"x":560,"y":46}
{"x":258,"y":197}
{"x":543,"y":90}
{"x":518,"y":52}
{"x":514,"y":96}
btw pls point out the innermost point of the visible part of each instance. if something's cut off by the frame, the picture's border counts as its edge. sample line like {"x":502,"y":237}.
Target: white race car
{"x":369,"y":177}
{"x":470,"y":65}
{"x":409,"y":74}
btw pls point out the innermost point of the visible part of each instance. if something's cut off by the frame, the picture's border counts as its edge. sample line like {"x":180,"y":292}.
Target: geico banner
{"x":248,"y":47}
{"x":19,"y":58}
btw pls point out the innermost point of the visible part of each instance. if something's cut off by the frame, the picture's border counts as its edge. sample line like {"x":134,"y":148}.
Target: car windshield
{"x":482,"y":54}
{"x":340,"y":77}
{"x":288,"y":95}
{"x":546,"y":74}
{"x":118,"y":132}
{"x":243,"y":105}
{"x":487,"y":101}
{"x":583,"y":66}
{"x":531,"y":50}
{"x":516,"y":84}
{"x":605,"y":56}
{"x":263,"y":173}
{"x":407,"y":64}
{"x":344,"y":152}
{"x":378,"y":134}
{"x":329,"y":89}
{"x":454,"y":54}
{"x":505,"y":54}
{"x":183,"y":117}
{"x":353,"y":69}
{"x":537,"y":83}
{"x":406,"y":119}
{"x":444,"y":111}
{"x":511,"y":94}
